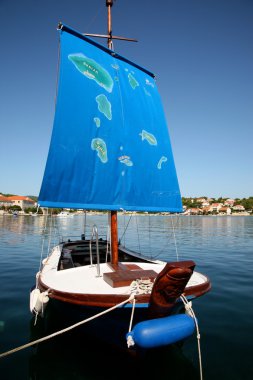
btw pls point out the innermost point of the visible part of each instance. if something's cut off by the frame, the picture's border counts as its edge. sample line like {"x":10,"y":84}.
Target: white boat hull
{"x":83,"y":286}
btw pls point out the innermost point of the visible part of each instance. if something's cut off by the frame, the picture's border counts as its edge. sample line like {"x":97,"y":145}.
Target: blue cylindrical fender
{"x":162,"y":331}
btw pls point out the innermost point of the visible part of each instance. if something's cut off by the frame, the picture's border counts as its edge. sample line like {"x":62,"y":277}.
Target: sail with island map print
{"x":110,"y":150}
{"x":110,"y":147}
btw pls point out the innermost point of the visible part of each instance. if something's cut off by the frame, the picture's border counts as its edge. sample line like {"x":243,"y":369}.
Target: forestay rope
{"x":170,"y":235}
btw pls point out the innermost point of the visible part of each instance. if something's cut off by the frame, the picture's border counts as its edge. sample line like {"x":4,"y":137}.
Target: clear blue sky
{"x":201,"y":52}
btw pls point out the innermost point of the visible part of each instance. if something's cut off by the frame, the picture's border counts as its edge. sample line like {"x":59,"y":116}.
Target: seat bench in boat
{"x":124,"y":274}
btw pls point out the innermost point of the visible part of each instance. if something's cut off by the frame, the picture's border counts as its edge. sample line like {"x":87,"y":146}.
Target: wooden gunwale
{"x":109,"y":300}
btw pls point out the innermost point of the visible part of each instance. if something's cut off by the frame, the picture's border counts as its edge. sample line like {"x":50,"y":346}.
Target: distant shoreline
{"x":90,"y":213}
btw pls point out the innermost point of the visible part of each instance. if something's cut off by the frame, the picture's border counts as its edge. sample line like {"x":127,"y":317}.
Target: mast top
{"x":109,"y":24}
{"x":109,"y":36}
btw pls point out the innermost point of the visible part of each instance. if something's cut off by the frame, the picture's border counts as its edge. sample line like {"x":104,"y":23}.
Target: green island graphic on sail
{"x":162,"y":160}
{"x":125,"y":160}
{"x":100,"y":146}
{"x":104,"y":106}
{"x":133,"y":82}
{"x":148,"y":137}
{"x":97,"y":121}
{"x":92,"y":70}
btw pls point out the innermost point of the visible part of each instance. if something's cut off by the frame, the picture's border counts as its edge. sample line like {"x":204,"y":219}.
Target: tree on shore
{"x":247,"y":203}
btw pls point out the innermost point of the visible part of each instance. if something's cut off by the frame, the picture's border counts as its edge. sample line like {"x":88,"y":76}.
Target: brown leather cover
{"x":168,"y":287}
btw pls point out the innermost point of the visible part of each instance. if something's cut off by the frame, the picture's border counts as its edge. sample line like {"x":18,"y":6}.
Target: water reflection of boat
{"x":64,"y":214}
{"x":116,"y":156}
{"x":64,"y":358}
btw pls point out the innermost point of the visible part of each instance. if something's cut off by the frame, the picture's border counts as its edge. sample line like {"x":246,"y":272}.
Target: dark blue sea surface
{"x":222,"y":248}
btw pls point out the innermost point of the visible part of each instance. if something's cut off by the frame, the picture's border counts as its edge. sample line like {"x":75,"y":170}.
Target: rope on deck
{"x":66,"y":329}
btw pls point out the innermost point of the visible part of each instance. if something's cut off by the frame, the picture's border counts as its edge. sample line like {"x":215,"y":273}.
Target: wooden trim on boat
{"x":99,"y":300}
{"x":195,"y":291}
{"x":109,"y":300}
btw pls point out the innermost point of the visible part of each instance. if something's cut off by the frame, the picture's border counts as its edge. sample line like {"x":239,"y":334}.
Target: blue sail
{"x":110,"y":147}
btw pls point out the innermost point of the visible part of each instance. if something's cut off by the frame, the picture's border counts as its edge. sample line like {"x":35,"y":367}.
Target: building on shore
{"x":21,"y":201}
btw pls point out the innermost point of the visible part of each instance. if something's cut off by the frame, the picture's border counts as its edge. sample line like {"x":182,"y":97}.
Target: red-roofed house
{"x":23,"y":202}
{"x":216,"y":206}
{"x":207,"y":210}
{"x":201,"y":200}
{"x":238,"y":208}
{"x":229,"y":202}
{"x":205,"y":204}
{"x":193,"y":211}
{"x":4,"y":201}
{"x":225,"y":210}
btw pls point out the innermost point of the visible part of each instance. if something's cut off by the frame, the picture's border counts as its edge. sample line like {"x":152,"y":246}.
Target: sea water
{"x":222,"y":248}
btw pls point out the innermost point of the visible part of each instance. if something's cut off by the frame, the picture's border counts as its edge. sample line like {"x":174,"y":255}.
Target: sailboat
{"x":110,"y":150}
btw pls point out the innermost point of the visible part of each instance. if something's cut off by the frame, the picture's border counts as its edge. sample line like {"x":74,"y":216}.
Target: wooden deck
{"x":124,"y":274}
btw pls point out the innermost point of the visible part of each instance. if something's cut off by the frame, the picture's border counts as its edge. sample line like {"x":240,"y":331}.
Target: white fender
{"x":38,"y":301}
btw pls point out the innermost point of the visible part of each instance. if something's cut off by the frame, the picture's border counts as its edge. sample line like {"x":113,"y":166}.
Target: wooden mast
{"x":109,"y":4}
{"x":114,"y":222}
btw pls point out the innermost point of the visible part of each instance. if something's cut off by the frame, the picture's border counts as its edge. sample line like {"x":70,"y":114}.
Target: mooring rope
{"x":141,"y":286}
{"x":189,"y":310}
{"x":132,"y":316}
{"x":66,"y":329}
{"x":130,"y":341}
